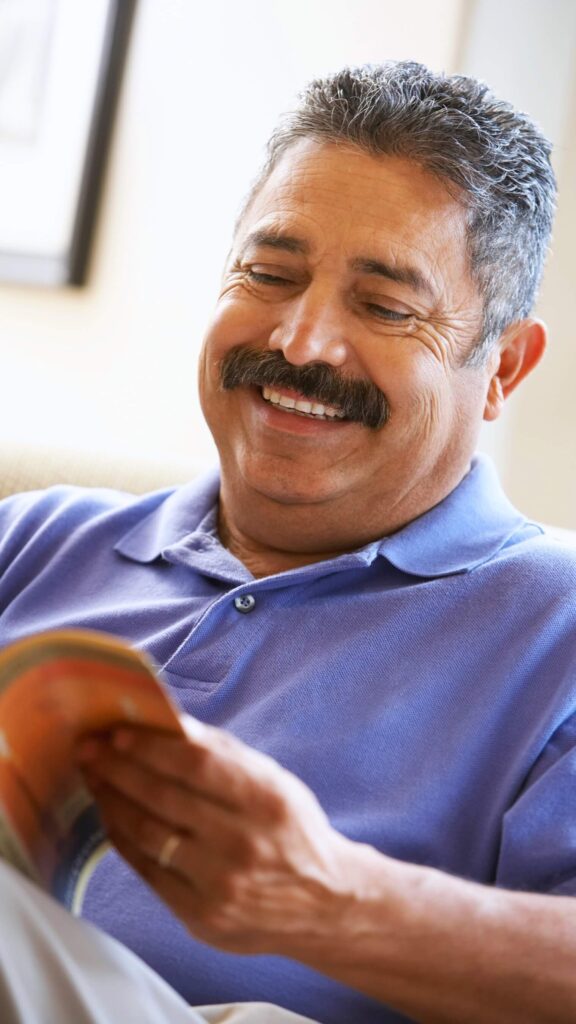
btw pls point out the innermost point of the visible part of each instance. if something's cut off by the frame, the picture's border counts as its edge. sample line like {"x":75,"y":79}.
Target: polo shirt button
{"x":245,"y":603}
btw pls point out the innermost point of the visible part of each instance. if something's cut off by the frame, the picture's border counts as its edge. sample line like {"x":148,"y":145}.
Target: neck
{"x":270,"y":536}
{"x":261,"y":558}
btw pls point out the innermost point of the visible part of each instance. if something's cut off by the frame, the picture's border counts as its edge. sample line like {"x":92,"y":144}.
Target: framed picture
{"x":60,"y":70}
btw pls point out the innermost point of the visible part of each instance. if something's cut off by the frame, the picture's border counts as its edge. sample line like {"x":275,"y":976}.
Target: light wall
{"x":111,"y":367}
{"x":526,"y":50}
{"x":541,"y":460}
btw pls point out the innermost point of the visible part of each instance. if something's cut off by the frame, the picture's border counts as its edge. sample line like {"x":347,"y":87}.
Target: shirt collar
{"x":186,"y":511}
{"x":465,"y":529}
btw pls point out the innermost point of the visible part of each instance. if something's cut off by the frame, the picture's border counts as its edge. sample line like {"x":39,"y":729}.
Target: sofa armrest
{"x":27,"y":468}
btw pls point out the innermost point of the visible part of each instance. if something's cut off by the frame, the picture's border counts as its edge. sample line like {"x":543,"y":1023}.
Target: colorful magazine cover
{"x":54,"y":688}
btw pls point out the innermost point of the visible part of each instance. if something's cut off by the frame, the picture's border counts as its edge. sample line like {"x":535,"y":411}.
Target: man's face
{"x":357,"y":265}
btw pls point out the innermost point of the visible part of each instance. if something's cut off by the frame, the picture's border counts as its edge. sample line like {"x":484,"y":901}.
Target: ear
{"x":519,"y":350}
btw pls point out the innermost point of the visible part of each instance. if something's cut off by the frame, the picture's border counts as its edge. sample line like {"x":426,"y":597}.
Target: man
{"x":354,"y":596}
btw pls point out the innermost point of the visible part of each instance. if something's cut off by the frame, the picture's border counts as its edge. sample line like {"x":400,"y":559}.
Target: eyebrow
{"x":271,"y":240}
{"x":401,"y":273}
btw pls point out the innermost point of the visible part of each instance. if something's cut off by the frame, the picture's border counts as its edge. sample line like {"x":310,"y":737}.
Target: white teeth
{"x":310,"y":408}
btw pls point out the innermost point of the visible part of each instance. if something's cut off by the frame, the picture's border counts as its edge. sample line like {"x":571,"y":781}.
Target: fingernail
{"x":88,"y":751}
{"x":193,"y":728}
{"x":122,"y":739}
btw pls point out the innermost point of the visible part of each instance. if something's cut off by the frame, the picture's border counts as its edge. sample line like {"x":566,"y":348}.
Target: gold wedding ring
{"x":169,"y":847}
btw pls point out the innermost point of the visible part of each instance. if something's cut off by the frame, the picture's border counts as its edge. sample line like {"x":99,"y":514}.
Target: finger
{"x":175,"y":887}
{"x":124,"y":820}
{"x":207,"y":909}
{"x":213,"y":764}
{"x":214,"y":869}
{"x":220,"y":837}
{"x":177,"y":806}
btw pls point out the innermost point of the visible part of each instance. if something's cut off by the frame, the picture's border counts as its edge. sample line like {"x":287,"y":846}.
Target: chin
{"x":292,"y":493}
{"x":290,"y":485}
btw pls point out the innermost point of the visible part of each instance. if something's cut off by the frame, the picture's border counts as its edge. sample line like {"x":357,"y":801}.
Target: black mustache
{"x":359,"y":400}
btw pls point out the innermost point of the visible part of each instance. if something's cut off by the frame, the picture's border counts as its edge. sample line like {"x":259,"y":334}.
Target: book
{"x":56,"y":687}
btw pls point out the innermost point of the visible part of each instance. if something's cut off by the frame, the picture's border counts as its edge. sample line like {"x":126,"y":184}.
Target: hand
{"x":254,"y":865}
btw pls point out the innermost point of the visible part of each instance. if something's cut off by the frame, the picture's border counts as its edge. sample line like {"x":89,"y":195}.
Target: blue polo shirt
{"x":423,"y":686}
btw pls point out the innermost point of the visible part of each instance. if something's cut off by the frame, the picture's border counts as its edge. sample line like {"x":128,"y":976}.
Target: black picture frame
{"x":61,"y":256}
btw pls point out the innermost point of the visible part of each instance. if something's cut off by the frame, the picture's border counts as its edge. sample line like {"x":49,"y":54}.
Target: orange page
{"x":54,"y":688}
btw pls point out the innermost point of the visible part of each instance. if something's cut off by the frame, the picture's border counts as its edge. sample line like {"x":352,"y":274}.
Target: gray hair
{"x":455,"y":128}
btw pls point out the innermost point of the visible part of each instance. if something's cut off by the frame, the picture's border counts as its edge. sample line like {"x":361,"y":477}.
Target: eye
{"x":258,"y":277}
{"x":388,"y":314}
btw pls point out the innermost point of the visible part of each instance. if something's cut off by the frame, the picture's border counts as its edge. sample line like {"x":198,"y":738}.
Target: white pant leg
{"x":55,"y":967}
{"x":250,"y":1013}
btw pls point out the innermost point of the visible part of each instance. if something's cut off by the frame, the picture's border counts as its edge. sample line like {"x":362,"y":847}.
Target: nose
{"x":312,"y":329}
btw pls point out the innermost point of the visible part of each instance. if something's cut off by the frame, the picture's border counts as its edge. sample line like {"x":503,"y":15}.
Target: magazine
{"x":54,"y":688}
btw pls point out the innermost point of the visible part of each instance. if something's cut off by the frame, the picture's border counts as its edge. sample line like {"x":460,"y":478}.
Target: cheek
{"x":418,"y":389}
{"x":203,"y":379}
{"x":403,"y":370}
{"x":218,"y":338}
{"x":238,"y":320}
{"x":433,"y":414}
{"x":221,"y":336}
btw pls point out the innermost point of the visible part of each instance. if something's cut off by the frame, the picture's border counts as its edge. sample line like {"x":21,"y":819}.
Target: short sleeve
{"x":538,"y":847}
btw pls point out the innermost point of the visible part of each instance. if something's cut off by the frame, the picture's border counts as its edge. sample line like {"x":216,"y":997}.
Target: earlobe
{"x":519,"y":351}
{"x":494,"y":399}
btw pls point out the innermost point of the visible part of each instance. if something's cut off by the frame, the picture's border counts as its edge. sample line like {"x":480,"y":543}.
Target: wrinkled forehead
{"x":353,"y":177}
{"x":387,"y":206}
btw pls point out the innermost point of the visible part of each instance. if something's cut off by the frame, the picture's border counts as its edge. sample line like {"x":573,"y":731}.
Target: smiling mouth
{"x":301,"y":406}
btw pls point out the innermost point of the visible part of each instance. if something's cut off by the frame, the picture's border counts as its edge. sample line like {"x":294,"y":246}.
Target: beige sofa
{"x":26,"y":468}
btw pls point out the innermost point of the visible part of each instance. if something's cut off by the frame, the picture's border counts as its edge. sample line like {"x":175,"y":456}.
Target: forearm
{"x":446,"y":951}
{"x":259,"y":869}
